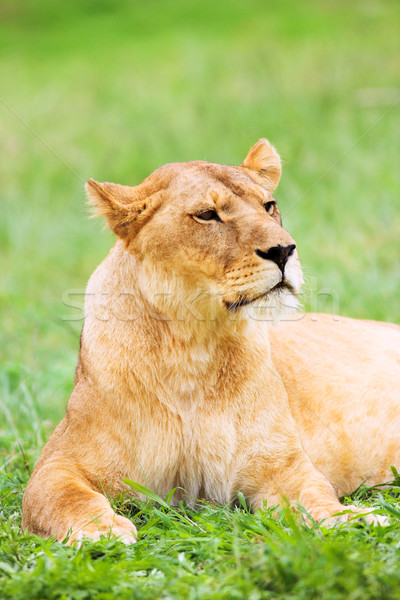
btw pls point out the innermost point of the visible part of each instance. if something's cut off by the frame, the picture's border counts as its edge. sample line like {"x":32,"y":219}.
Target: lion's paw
{"x":117,"y":526}
{"x":358,"y":515}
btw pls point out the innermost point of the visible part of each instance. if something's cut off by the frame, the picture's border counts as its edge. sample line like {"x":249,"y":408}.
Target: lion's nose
{"x":278,"y":254}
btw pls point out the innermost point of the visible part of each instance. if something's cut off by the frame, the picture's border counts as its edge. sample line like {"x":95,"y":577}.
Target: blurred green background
{"x":115,"y":89}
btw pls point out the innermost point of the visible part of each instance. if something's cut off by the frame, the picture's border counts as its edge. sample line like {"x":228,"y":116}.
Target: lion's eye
{"x":269,"y":206}
{"x":207,"y":215}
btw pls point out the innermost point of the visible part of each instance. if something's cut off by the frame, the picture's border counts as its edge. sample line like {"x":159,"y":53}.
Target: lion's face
{"x":208,"y":234}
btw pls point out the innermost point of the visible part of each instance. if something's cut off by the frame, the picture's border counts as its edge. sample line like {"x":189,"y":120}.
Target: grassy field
{"x":113,"y":90}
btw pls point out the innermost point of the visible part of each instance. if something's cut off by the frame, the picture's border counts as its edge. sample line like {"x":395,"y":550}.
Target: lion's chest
{"x":196,"y":432}
{"x":208,"y":455}
{"x":194,"y":451}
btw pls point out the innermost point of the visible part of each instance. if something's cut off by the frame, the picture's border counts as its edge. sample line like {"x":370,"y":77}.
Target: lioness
{"x":181,"y":383}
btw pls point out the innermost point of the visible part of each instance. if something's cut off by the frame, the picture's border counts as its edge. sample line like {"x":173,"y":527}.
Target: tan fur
{"x":181,"y":382}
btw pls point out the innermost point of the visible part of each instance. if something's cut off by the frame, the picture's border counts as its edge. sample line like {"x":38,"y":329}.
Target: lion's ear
{"x":126,"y":208}
{"x":264,"y":163}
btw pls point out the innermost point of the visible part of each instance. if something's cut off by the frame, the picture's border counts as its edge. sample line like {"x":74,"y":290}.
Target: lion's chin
{"x":274,"y":305}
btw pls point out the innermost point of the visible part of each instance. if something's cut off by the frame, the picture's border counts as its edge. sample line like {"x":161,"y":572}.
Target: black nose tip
{"x":278,"y":254}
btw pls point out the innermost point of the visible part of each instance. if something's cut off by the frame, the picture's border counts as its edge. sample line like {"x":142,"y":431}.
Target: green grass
{"x":116,"y":89}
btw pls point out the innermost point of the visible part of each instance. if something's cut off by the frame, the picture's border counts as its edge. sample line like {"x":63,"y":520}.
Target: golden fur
{"x":182,"y":383}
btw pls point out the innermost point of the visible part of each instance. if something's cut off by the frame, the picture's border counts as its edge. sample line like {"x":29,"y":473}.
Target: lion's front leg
{"x":59,"y":502}
{"x":295,"y":480}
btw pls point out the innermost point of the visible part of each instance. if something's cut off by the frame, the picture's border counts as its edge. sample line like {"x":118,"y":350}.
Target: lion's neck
{"x":176,"y":358}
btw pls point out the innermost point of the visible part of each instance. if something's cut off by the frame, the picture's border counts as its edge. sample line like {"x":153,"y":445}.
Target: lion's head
{"x":207,"y":235}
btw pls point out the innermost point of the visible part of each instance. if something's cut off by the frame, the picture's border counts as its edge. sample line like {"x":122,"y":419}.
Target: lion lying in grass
{"x":182,"y":384}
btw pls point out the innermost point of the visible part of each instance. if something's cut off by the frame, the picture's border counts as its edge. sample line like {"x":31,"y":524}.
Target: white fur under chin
{"x":273,"y":308}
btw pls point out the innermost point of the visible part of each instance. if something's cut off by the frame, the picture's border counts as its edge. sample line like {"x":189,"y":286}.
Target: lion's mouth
{"x":243,"y":301}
